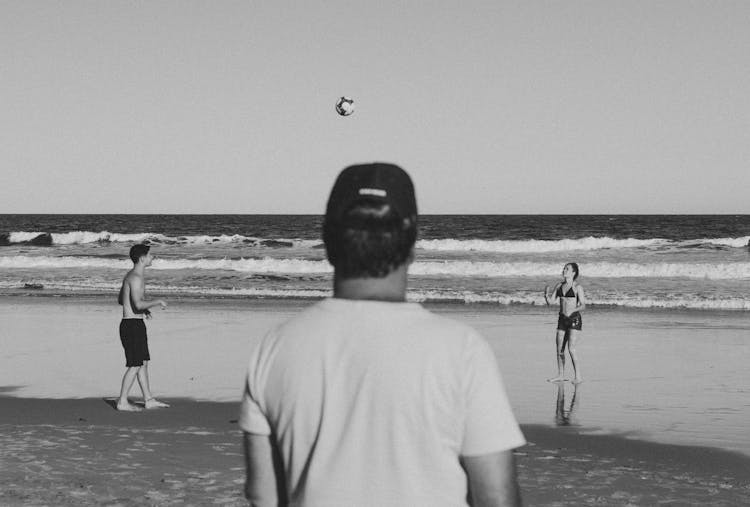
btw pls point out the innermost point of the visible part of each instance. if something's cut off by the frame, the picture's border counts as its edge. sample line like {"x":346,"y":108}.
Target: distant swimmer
{"x":569,"y":322}
{"x":133,"y":331}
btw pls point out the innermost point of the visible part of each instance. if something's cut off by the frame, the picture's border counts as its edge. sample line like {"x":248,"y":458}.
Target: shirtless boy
{"x":133,"y":331}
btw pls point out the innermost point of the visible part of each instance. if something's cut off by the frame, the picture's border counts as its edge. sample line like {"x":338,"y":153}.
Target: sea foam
{"x":415,"y":295}
{"x":589,"y":243}
{"x":88,"y":237}
{"x":711,"y":271}
{"x":538,"y":246}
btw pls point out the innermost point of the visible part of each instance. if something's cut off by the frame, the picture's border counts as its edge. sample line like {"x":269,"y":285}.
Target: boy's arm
{"x":136,"y":296}
{"x":121,"y":296}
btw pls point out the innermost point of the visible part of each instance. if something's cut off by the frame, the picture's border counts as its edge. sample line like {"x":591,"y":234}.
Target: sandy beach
{"x":599,"y":147}
{"x":660,"y":419}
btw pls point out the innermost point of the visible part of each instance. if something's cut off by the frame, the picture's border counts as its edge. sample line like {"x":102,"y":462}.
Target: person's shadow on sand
{"x":112,"y":402}
{"x":563,"y":416}
{"x":141,"y":405}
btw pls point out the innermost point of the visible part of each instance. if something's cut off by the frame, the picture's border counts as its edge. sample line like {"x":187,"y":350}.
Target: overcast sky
{"x":492,"y":106}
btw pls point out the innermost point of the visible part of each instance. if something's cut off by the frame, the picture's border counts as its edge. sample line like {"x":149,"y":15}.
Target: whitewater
{"x":456,"y":245}
{"x":656,"y":262}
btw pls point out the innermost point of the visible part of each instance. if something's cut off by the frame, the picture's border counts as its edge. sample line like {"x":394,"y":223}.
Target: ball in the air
{"x":345,"y":106}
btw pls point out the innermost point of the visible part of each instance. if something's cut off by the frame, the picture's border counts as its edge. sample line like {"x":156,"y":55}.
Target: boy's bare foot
{"x":128,"y":407}
{"x":556,"y":379}
{"x":154,"y":403}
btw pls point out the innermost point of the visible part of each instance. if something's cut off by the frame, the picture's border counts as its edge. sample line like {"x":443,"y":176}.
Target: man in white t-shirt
{"x":365,"y":399}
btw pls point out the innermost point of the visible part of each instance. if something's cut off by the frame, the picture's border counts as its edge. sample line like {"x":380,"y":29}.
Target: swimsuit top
{"x":570,"y":294}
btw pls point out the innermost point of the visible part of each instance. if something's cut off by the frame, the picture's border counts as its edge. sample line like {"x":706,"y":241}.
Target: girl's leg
{"x":574,"y":335}
{"x":560,"y":352}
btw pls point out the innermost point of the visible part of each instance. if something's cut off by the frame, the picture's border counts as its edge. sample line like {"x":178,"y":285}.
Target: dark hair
{"x":370,"y":240}
{"x":138,"y":251}
{"x":575,"y":269}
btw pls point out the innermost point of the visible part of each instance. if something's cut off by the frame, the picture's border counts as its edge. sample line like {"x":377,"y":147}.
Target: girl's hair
{"x":575,"y":269}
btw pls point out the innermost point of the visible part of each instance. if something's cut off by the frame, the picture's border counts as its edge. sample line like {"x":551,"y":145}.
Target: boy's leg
{"x":148,"y":398}
{"x":127,"y":382}
{"x":143,"y":381}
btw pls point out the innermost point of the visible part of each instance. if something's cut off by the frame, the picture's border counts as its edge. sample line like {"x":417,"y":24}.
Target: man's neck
{"x":391,"y":287}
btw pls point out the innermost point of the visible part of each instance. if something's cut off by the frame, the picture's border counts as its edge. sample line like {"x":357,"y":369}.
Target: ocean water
{"x":664,"y":261}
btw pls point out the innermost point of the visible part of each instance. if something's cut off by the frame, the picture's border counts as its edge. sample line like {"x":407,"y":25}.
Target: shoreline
{"x":665,"y":376}
{"x":35,"y":294}
{"x":78,"y":451}
{"x":657,"y":419}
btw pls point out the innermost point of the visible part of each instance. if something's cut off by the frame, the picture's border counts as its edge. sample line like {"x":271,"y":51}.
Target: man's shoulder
{"x":432,"y":327}
{"x":301,"y":318}
{"x":456,"y":336}
{"x":330,"y":314}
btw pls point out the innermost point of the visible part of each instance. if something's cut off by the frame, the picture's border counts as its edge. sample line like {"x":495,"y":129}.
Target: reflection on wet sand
{"x":563,"y":415}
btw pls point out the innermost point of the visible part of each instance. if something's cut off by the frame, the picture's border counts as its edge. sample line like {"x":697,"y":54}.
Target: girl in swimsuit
{"x":569,"y":323}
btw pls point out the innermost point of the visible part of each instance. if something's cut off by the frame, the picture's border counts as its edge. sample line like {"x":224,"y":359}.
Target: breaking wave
{"x":87,"y":237}
{"x":421,"y":296}
{"x":711,"y":271}
{"x":536,"y":246}
{"x":440,"y":245}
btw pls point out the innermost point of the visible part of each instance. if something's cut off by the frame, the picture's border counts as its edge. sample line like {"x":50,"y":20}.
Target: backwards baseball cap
{"x":379,"y":181}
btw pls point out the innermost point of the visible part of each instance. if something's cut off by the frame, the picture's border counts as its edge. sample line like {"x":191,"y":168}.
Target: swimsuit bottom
{"x":134,"y":342}
{"x":575,"y":321}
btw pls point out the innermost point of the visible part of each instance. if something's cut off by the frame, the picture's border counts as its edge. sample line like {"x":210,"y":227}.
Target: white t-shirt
{"x":373,"y":402}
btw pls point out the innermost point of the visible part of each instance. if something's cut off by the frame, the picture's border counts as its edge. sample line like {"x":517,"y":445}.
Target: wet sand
{"x":653,"y":379}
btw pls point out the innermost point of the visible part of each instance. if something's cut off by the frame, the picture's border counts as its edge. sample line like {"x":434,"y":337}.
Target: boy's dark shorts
{"x":134,"y":341}
{"x":567,"y":323}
